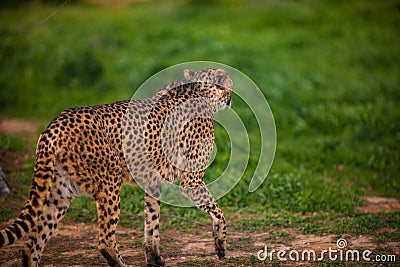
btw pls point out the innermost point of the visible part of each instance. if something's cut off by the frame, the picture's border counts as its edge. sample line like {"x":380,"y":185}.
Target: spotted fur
{"x":95,"y":149}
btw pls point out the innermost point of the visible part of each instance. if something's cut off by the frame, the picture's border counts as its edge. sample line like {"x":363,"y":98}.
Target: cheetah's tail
{"x":27,"y":219}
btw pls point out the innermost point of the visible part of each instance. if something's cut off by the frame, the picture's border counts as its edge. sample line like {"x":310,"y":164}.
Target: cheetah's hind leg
{"x":108,"y":219}
{"x":54,"y":209}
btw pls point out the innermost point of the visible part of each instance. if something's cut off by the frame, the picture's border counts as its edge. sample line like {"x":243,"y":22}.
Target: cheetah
{"x":95,"y":149}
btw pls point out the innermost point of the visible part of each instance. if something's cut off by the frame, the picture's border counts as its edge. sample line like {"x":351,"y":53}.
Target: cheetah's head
{"x":219,"y":84}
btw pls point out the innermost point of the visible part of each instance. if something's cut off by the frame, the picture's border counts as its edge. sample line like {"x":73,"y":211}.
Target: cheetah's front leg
{"x":202,"y":198}
{"x":152,"y":232}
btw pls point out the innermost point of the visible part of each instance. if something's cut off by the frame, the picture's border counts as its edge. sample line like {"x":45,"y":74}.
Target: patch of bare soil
{"x":379,"y":204}
{"x":23,"y":129}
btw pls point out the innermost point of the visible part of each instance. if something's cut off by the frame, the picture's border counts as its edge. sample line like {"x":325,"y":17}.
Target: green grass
{"x":386,"y":236}
{"x":12,"y":144}
{"x":329,"y":69}
{"x":327,"y":223}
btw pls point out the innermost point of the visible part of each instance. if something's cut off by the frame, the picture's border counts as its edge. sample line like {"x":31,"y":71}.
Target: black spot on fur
{"x":1,"y":240}
{"x":17,"y":231}
{"x":10,"y":236}
{"x":23,"y":225}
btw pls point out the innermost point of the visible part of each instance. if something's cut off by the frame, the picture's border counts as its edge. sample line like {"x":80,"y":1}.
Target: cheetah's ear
{"x":219,"y":76}
{"x":188,"y":74}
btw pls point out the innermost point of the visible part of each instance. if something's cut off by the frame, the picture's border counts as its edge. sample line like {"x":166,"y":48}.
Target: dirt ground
{"x":75,"y":244}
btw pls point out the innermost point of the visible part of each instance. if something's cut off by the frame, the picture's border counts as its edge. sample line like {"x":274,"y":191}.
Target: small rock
{"x":4,"y":190}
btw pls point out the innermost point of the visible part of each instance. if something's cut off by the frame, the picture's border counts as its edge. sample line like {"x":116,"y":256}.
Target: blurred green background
{"x":329,"y":69}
